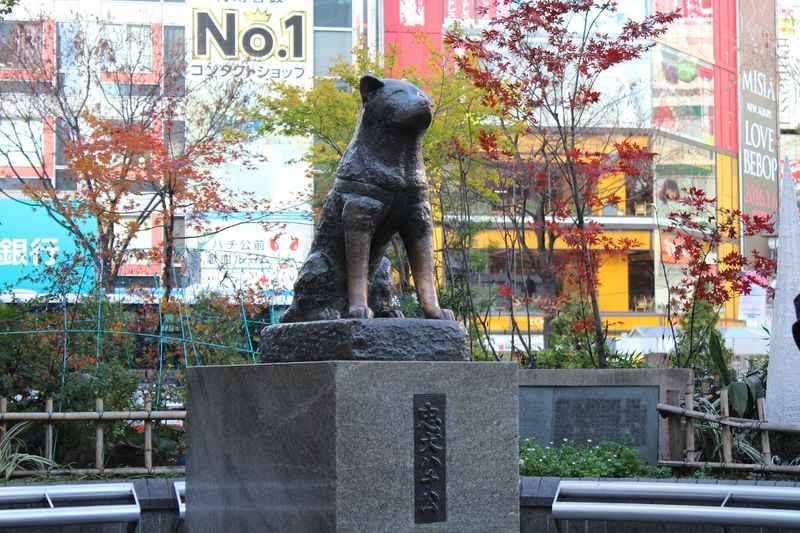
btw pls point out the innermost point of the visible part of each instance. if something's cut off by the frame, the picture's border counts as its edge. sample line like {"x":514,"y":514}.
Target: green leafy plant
{"x":572,"y":459}
{"x":711,"y":438}
{"x":13,"y":459}
{"x":743,"y":394}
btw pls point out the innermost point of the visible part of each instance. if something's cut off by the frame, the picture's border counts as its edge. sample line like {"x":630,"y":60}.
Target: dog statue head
{"x":395,"y":103}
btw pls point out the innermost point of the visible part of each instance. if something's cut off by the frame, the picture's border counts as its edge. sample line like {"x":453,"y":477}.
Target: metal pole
{"x":246,"y":329}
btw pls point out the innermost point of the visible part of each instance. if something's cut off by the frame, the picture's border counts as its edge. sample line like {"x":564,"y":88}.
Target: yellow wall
{"x":494,"y":239}
{"x":728,"y":198}
{"x":612,"y":293}
{"x":612,"y":185}
{"x":617,"y":322}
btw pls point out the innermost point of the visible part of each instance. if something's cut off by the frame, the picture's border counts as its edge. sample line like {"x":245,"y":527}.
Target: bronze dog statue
{"x":380,"y":190}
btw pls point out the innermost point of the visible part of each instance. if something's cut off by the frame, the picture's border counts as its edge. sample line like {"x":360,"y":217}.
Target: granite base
{"x":330,"y":446}
{"x":356,"y":339}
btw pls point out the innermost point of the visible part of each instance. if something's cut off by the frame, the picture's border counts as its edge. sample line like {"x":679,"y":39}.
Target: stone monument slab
{"x":353,"y":446}
{"x":578,"y":414}
{"x":607,"y":404}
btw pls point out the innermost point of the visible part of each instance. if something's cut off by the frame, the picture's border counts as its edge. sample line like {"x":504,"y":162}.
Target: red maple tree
{"x":705,"y":240}
{"x":133,"y":180}
{"x":539,"y":62}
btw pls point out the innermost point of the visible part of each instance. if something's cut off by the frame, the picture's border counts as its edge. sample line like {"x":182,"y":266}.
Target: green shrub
{"x":571,"y":459}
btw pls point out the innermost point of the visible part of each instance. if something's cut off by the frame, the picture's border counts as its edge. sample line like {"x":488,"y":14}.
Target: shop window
{"x":683,"y":95}
{"x":506,"y":282}
{"x":641,"y":281}
{"x":20,"y":143}
{"x":174,"y":60}
{"x":65,"y":180}
{"x":175,"y":137}
{"x":693,"y":32}
{"x":639,"y":195}
{"x":331,"y":47}
{"x":679,"y":166}
{"x":21,"y":45}
{"x":130,"y":48}
{"x":333,"y":13}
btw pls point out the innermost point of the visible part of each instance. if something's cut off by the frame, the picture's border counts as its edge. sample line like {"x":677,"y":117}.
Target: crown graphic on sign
{"x":257,"y":16}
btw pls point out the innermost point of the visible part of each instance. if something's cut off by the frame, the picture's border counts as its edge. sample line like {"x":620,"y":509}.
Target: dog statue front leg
{"x":357,"y":253}
{"x":418,"y":239}
{"x":360,"y":216}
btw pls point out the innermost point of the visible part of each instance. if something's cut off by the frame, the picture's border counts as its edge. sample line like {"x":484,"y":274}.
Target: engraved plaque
{"x":430,"y":466}
{"x":552,"y":414}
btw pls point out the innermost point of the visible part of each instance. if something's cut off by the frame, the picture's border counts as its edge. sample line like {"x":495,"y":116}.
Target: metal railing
{"x":120,"y":505}
{"x":180,"y":496}
{"x":49,"y":417}
{"x":678,"y":503}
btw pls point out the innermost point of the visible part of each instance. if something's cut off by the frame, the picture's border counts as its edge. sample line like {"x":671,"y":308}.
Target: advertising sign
{"x":253,"y":39}
{"x":789,"y":62}
{"x":260,"y":42}
{"x":247,"y":257}
{"x":683,"y":95}
{"x":753,"y":307}
{"x":693,"y":32}
{"x":679,"y":166}
{"x":29,"y":241}
{"x":758,"y":109}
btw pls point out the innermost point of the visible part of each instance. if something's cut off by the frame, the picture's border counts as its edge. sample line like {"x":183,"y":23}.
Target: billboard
{"x":683,"y":94}
{"x":252,"y":39}
{"x":257,"y":42}
{"x":693,"y":33}
{"x":679,"y":166}
{"x":789,"y":63}
{"x":758,"y":111}
{"x":248,"y":256}
{"x":30,"y":240}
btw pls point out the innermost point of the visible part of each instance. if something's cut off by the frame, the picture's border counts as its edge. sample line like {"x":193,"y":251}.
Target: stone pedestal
{"x":341,"y":446}
{"x":378,"y":339}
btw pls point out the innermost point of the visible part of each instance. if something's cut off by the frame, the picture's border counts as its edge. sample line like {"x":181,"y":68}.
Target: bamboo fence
{"x":99,"y":415}
{"x":727,"y":425}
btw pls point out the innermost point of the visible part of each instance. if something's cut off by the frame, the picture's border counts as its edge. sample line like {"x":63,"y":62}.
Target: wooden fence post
{"x":148,"y":437}
{"x":99,"y":461}
{"x":691,"y":455}
{"x":727,"y":434}
{"x":48,"y":433}
{"x":3,"y":410}
{"x":766,"y":452}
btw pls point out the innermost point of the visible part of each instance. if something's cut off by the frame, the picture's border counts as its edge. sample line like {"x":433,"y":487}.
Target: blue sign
{"x":30,"y":241}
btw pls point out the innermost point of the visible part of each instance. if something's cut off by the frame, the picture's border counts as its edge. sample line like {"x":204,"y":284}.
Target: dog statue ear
{"x":368,"y":85}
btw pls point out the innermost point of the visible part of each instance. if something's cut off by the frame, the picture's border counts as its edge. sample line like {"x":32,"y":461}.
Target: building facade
{"x":253,"y":41}
{"x":704,"y":98}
